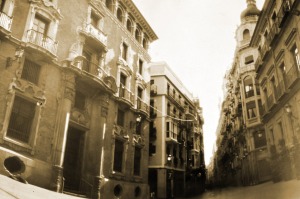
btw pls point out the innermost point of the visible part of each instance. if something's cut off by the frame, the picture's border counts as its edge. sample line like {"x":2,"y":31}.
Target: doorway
{"x":73,"y":159}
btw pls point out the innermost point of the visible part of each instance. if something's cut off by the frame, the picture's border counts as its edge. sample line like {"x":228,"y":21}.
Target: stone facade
{"x":176,"y":162}
{"x":75,"y":95}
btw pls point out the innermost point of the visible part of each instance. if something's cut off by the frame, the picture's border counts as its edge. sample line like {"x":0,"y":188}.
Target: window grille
{"x":21,"y":119}
{"x":31,"y":71}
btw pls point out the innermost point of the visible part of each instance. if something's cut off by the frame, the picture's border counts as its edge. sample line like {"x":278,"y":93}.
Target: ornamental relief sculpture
{"x":28,"y":89}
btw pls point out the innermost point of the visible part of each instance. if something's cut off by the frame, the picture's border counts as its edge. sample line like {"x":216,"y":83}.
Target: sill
{"x":18,"y":145}
{"x":117,"y":175}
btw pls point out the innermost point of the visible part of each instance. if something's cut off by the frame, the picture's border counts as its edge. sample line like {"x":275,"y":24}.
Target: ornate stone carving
{"x":28,"y":89}
{"x":120,"y":131}
{"x":138,"y":140}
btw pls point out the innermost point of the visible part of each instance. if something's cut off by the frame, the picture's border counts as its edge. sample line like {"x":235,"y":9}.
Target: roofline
{"x":141,"y":19}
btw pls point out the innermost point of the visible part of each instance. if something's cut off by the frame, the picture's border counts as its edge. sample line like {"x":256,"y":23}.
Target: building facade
{"x":74,"y":102}
{"x":242,"y":155}
{"x":276,"y":37}
{"x":176,"y":153}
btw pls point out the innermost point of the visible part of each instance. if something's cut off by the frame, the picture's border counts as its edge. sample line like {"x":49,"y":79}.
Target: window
{"x":120,"y":15}
{"x":168,"y":129}
{"x":79,"y":100}
{"x":145,"y":43}
{"x":296,"y":56}
{"x":88,"y":60}
{"x":138,"y":128}
{"x":260,"y":139}
{"x":249,"y":59}
{"x":118,"y":156}
{"x":139,"y":97}
{"x":280,"y":129}
{"x":152,"y":149}
{"x":140,"y":67}
{"x":137,"y":161}
{"x":40,"y":25}
{"x":273,"y":84}
{"x":246,"y":34}
{"x":251,"y":110}
{"x":168,"y":109}
{"x":152,"y":81}
{"x":124,"y":51}
{"x":121,"y":117}
{"x":109,"y":4}
{"x":31,"y":71}
{"x":122,"y":85}
{"x":129,"y":25}
{"x":137,"y":34}
{"x":2,"y":3}
{"x":95,"y":19}
{"x":21,"y":119}
{"x":249,"y":92}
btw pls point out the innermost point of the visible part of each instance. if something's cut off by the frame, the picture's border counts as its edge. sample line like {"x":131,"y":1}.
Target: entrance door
{"x":73,"y":159}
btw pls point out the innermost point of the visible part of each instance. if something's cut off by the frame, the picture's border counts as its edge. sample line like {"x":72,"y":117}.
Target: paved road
{"x":269,"y":190}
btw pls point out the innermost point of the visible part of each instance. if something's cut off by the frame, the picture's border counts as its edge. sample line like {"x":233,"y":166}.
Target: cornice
{"x":140,"y":18}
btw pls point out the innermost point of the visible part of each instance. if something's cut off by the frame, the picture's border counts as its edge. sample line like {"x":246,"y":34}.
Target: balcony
{"x":126,"y":95}
{"x":273,"y":32}
{"x":94,"y":34}
{"x":5,"y":21}
{"x":171,"y":137}
{"x":142,"y":107}
{"x":291,"y":76}
{"x":189,"y":112}
{"x":40,"y":40}
{"x":93,"y":74}
{"x":249,"y":67}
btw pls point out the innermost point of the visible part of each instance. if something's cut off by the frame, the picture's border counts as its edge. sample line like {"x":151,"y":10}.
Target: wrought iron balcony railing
{"x":5,"y":21}
{"x":96,"y":33}
{"x":42,"y":40}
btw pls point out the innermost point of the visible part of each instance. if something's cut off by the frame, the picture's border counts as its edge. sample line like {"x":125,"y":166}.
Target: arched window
{"x":129,"y":25}
{"x":246,"y":34}
{"x":137,"y":35}
{"x":108,"y":4}
{"x":248,"y":86}
{"x":120,"y":15}
{"x":145,"y":44}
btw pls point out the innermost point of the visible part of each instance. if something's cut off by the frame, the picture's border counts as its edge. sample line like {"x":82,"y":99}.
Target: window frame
{"x":118,"y":161}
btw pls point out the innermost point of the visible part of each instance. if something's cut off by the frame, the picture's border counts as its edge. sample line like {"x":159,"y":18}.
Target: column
{"x":99,"y":176}
{"x":61,"y":130}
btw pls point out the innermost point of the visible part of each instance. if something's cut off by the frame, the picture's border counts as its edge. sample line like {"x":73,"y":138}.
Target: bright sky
{"x":197,"y":40}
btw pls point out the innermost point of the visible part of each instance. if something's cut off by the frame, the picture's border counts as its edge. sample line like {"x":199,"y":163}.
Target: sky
{"x":197,"y":41}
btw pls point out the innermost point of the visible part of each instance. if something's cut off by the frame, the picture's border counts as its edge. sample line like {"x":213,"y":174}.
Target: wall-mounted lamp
{"x":169,"y":158}
{"x":18,"y":54}
{"x":138,"y":119}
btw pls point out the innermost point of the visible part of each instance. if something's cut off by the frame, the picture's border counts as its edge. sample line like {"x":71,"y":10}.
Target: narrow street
{"x":268,"y":190}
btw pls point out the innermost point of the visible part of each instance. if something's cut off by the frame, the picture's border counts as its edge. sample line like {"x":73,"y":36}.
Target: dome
{"x":251,"y":9}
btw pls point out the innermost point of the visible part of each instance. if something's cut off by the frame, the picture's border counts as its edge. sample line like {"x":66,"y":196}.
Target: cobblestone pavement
{"x":269,"y":190}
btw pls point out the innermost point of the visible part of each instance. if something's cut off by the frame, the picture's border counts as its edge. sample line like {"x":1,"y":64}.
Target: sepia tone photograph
{"x":149,"y":99}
